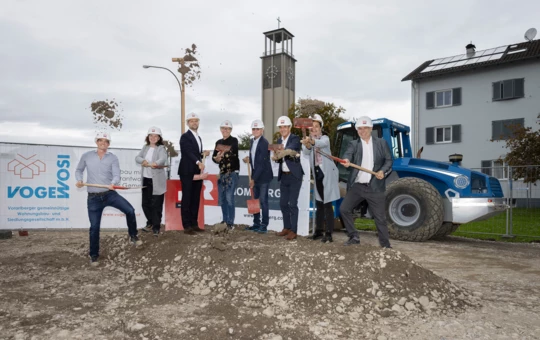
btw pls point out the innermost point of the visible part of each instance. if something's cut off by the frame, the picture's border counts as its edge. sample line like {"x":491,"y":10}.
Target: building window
{"x":495,"y":168}
{"x":443,"y":134}
{"x":443,"y":98}
{"x":508,"y":89}
{"x":503,"y":129}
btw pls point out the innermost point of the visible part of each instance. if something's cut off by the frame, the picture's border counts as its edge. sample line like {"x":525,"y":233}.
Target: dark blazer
{"x":293,"y":163}
{"x":189,"y":155}
{"x":382,"y":161}
{"x":262,"y":173}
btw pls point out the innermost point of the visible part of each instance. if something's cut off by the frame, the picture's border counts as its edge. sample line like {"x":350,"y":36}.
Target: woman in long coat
{"x":153,"y":158}
{"x":326,"y":177}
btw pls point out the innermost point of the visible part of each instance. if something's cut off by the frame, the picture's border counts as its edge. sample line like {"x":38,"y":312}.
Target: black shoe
{"x":327,"y":238}
{"x":155,"y":232}
{"x":189,"y":231}
{"x":135,"y":240}
{"x":351,"y":241}
{"x":315,"y":236}
{"x":230,"y":226}
{"x":197,"y":229}
{"x":94,"y":261}
{"x":147,"y":229}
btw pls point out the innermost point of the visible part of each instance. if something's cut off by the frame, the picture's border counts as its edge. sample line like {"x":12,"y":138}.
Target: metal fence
{"x":523,"y":216}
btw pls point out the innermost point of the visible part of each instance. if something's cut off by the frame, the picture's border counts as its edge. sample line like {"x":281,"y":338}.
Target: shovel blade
{"x":223,"y":148}
{"x":253,"y":206}
{"x":303,"y":123}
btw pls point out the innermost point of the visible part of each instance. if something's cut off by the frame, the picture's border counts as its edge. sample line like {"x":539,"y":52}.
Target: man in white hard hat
{"x":191,"y":163}
{"x":229,"y":169}
{"x":290,"y":177}
{"x":371,"y":153}
{"x":261,"y":175}
{"x":102,"y":167}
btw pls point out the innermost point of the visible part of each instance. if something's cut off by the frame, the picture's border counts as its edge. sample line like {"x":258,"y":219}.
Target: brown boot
{"x":291,"y":236}
{"x":284,"y":232}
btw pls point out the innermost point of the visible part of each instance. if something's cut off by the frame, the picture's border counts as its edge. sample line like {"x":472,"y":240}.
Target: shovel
{"x":303,"y":123}
{"x":253,"y":205}
{"x":342,"y":161}
{"x":107,"y":187}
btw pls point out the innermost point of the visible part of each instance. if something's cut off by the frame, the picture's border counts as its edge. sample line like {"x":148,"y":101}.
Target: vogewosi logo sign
{"x":27,"y":168}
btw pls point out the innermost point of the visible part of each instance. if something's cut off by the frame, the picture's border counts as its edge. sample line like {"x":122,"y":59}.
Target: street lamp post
{"x":182,"y":94}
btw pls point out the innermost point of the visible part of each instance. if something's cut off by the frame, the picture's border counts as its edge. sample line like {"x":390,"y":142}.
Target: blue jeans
{"x":226,"y":188}
{"x":96,"y":204}
{"x":260,"y":191}
{"x":288,"y":201}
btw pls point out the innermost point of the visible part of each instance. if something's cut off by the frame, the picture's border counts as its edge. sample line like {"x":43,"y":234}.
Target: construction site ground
{"x":243,"y":285}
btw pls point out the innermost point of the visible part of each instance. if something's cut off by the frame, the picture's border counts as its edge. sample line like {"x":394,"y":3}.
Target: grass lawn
{"x":526,"y":227}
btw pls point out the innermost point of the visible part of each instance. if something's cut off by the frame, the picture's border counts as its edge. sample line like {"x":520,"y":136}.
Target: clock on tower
{"x":278,"y":78}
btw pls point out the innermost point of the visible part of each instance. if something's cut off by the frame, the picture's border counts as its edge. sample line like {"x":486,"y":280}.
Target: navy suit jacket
{"x":262,"y":172}
{"x":293,"y":143}
{"x":189,"y":155}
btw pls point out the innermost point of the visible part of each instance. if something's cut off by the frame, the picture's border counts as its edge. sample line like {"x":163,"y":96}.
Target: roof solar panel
{"x":500,"y":49}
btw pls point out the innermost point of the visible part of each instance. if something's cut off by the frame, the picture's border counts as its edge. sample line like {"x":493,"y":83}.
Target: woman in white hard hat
{"x":153,"y":158}
{"x":326,"y":177}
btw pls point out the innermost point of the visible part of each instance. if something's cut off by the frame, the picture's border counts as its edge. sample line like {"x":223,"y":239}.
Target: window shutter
{"x":430,"y":100}
{"x":496,"y":130}
{"x":430,"y":135}
{"x":456,"y":96}
{"x":519,"y":88}
{"x":497,"y":90}
{"x":508,"y":89}
{"x":456,"y":133}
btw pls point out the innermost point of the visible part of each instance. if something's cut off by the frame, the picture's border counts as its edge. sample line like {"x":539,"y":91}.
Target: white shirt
{"x":254,"y":150}
{"x":198,"y":141}
{"x":367,"y":161}
{"x":284,"y":166}
{"x":147,"y":171}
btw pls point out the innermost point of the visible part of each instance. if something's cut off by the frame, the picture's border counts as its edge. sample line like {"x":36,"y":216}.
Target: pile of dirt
{"x":264,"y":279}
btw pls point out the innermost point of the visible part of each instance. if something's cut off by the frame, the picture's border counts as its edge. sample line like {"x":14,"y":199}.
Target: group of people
{"x":367,"y":151}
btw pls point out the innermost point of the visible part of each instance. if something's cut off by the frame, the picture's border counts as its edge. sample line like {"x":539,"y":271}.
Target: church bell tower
{"x":278,"y":78}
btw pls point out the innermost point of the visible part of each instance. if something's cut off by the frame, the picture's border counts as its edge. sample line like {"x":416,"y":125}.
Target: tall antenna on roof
{"x":530,"y":34}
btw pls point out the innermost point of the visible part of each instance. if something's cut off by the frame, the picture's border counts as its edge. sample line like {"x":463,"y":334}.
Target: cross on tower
{"x":278,"y":22}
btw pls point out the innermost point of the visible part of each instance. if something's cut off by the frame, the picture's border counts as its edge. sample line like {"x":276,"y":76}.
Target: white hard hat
{"x":317,"y":118}
{"x":103,"y":135}
{"x":192,"y":115}
{"x":154,"y":131}
{"x":226,"y":123}
{"x":257,"y":124}
{"x":364,"y":121}
{"x":284,"y":121}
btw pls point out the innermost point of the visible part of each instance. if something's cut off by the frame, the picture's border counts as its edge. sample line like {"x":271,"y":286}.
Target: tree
{"x":307,"y":107}
{"x":524,"y":155}
{"x":243,"y":141}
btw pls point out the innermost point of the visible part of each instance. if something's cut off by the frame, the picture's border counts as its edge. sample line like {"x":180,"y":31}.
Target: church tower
{"x":278,"y":78}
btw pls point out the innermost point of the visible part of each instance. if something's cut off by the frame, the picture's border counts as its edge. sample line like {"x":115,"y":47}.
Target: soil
{"x":242,"y":285}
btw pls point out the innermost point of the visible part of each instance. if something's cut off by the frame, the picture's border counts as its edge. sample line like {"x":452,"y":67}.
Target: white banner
{"x":37,"y":185}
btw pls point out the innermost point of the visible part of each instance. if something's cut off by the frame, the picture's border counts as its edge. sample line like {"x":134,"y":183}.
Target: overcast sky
{"x":58,"y":56}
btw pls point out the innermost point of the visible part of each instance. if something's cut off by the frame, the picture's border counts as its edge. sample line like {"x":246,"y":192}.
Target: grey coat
{"x":329,"y":169}
{"x":159,"y":176}
{"x":382,"y":161}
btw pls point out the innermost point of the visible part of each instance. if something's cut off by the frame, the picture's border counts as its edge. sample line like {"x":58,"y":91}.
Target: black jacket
{"x":189,"y":155}
{"x":382,"y":161}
